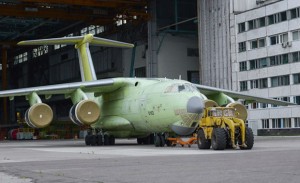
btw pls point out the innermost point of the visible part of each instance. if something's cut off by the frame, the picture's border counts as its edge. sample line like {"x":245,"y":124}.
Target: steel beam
{"x":4,"y":81}
{"x":54,"y":13}
{"x":91,"y":3}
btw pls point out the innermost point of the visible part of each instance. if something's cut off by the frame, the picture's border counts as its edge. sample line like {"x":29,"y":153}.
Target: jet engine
{"x":86,"y":112}
{"x":210,"y":103}
{"x":240,"y":109}
{"x":39,"y":115}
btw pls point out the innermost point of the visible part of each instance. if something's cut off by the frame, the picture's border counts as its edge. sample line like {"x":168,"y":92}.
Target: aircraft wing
{"x":207,"y":90}
{"x":98,"y":86}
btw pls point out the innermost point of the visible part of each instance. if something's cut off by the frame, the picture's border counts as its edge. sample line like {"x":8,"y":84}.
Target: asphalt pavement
{"x":272,"y":159}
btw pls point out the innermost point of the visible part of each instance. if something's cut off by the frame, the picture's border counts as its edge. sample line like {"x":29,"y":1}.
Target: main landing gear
{"x":99,"y":139}
{"x":146,"y":140}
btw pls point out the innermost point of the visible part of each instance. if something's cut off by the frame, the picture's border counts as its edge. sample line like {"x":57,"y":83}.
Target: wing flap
{"x":207,"y":90}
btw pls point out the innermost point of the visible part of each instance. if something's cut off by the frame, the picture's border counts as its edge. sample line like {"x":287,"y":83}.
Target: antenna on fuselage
{"x":82,"y":45}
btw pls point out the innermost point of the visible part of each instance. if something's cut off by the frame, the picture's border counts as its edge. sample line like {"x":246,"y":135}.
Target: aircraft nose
{"x":195,"y":105}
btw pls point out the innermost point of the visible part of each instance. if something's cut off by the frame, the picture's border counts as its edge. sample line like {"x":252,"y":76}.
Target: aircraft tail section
{"x":82,"y":45}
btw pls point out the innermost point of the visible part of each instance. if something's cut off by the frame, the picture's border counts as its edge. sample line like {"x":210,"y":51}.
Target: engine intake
{"x":241,"y":109}
{"x":86,"y":112}
{"x":39,"y":115}
{"x":210,"y":103}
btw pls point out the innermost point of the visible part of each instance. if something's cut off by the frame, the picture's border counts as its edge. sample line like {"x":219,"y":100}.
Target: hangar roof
{"x":33,"y":19}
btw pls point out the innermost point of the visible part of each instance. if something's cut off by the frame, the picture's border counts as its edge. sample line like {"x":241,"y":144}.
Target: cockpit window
{"x":175,"y":88}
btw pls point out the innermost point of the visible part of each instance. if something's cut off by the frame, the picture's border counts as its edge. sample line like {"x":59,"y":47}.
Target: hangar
{"x":207,"y":42}
{"x":147,"y":24}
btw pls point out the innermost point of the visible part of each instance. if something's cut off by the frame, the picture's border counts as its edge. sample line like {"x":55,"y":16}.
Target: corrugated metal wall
{"x":214,"y":43}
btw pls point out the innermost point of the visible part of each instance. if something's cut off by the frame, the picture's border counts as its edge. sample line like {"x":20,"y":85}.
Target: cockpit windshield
{"x":176,"y":88}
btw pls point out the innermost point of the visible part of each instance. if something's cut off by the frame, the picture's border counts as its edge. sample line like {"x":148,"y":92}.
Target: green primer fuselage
{"x":145,"y":106}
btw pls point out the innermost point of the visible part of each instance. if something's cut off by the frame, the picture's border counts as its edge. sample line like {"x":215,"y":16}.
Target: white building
{"x":264,"y":55}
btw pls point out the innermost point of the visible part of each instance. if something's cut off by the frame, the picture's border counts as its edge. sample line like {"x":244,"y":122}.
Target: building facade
{"x":266,"y":62}
{"x":253,"y":46}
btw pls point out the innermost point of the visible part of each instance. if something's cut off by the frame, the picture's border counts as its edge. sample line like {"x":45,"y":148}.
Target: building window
{"x":259,"y":83}
{"x":271,"y":19}
{"x":242,"y":27}
{"x":277,"y":39}
{"x":274,"y":40}
{"x":295,"y":56}
{"x":279,"y":59}
{"x":21,"y":58}
{"x":296,"y":35}
{"x":276,"y":18}
{"x":294,"y":13}
{"x":276,"y":123}
{"x":282,"y":16}
{"x":243,"y":66}
{"x":242,"y":46}
{"x":297,"y":99}
{"x":280,"y":81}
{"x":263,"y":62}
{"x":296,"y":78}
{"x":193,"y":76}
{"x":258,"y":43}
{"x":243,"y":86}
{"x":39,"y":51}
{"x":263,"y":105}
{"x":261,"y":22}
{"x":265,"y":123}
{"x":251,"y":24}
{"x":297,"y":122}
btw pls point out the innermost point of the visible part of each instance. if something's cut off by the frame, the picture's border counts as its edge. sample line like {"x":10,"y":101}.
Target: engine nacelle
{"x":86,"y":112}
{"x":39,"y":115}
{"x":240,"y":109}
{"x":210,"y":103}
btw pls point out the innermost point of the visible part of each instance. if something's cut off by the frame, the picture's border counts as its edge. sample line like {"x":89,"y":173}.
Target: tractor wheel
{"x":249,"y":139}
{"x":218,"y":139}
{"x":202,"y":142}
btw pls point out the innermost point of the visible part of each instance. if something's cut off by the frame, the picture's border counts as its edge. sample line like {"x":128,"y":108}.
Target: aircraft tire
{"x":93,"y":139}
{"x":106,"y":139}
{"x":99,"y":140}
{"x":157,"y":141}
{"x":163,"y":141}
{"x":202,"y":142}
{"x":87,"y":140}
{"x":112,"y":140}
{"x":151,"y":137}
{"x":139,"y":141}
{"x":249,"y":139}
{"x":218,"y":139}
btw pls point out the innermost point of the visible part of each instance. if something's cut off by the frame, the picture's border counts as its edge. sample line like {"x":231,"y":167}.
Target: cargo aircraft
{"x":126,"y":107}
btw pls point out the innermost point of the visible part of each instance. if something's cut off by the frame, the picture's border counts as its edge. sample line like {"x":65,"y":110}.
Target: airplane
{"x":126,"y":107}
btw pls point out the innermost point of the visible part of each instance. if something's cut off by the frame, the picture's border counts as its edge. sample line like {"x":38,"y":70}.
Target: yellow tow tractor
{"x":223,"y":127}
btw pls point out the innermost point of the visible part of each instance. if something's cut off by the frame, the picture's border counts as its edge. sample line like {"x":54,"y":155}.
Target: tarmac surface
{"x":272,"y":159}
